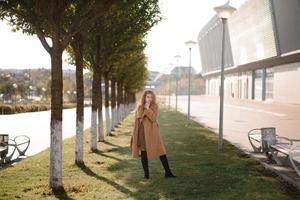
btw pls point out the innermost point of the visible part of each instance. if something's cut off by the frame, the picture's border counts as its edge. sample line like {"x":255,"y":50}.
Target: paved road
{"x":36,"y":125}
{"x":240,"y":116}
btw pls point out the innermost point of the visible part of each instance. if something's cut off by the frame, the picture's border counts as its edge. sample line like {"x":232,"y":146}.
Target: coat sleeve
{"x":151,"y":113}
{"x":139,"y":113}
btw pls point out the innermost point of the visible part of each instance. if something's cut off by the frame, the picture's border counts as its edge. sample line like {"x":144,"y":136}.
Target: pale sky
{"x":183,"y":19}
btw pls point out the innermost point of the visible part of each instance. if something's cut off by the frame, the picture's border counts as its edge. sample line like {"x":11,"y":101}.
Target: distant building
{"x":152,"y":79}
{"x":262,"y":53}
{"x":152,"y":75}
{"x":182,"y":71}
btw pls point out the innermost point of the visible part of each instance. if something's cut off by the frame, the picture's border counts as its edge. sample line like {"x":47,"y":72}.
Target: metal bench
{"x":8,"y":147}
{"x":5,"y":153}
{"x":261,"y":138}
{"x":22,"y":143}
{"x":287,"y":153}
{"x":283,"y":150}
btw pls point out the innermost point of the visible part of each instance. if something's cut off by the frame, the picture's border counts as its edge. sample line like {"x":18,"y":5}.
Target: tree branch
{"x":35,"y":26}
{"x":42,"y":38}
{"x":76,"y":27}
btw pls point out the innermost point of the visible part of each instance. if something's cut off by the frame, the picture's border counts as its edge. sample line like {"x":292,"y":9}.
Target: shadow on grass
{"x":61,"y":194}
{"x":111,"y":144}
{"x":11,"y":163}
{"x":107,"y":156}
{"x":122,"y":189}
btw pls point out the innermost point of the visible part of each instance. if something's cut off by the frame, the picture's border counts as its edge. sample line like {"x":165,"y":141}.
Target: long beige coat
{"x":154,"y":143}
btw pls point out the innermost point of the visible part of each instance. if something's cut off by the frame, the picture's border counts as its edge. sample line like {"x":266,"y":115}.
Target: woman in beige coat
{"x":146,"y":141}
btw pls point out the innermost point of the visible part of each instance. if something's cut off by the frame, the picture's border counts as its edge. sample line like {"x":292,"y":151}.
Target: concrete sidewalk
{"x":240,"y":116}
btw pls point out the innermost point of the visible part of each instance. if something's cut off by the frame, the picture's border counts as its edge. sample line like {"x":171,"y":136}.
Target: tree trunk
{"x":126,"y":102}
{"x":131,"y":100}
{"x":95,"y":94}
{"x":119,"y":102}
{"x":113,"y":104}
{"x":123,"y":103}
{"x":77,"y":46}
{"x":107,"y":115}
{"x":100,"y":113}
{"x":55,"y":179}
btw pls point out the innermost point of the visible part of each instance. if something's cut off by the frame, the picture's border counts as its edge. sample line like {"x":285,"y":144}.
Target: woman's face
{"x":149,"y":98}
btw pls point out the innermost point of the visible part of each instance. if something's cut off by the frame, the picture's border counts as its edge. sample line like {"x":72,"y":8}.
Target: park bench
{"x":260,"y":138}
{"x":287,"y":153}
{"x":283,"y":150}
{"x":8,"y":147}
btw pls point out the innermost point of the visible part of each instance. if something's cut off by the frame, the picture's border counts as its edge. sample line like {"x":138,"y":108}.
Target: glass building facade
{"x":262,"y":51}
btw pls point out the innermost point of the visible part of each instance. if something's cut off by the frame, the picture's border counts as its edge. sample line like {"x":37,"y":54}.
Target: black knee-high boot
{"x":144,"y":160}
{"x":164,"y":162}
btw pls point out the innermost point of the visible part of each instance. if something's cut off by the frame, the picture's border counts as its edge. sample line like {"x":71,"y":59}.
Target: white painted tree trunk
{"x":126,"y":110}
{"x":55,"y":179}
{"x":79,"y":142}
{"x":93,"y":138}
{"x":119,"y":113}
{"x":107,"y":120}
{"x":125,"y":113}
{"x":113,"y":118}
{"x":116,"y":116}
{"x":100,"y":126}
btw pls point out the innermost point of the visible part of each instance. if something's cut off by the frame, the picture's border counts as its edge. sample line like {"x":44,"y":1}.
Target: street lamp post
{"x":15,"y":91}
{"x":177,"y":57}
{"x":170,"y":91}
{"x":224,"y":12}
{"x":44,"y":93}
{"x":75,"y":93}
{"x":190,"y":44}
{"x":30,"y":89}
{"x":170,"y":85}
{"x":176,"y":90}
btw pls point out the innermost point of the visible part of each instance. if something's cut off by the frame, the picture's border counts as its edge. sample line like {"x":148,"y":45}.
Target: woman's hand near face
{"x":147,"y":105}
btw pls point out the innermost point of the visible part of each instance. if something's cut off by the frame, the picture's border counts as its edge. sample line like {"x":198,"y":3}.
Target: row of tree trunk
{"x":118,"y":103}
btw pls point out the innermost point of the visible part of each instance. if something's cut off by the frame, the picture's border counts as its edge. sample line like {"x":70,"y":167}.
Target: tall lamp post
{"x":30,"y":89}
{"x":177,"y":57}
{"x":190,"y":44}
{"x":15,"y":91}
{"x":170,"y":66}
{"x":224,"y":12}
{"x":44,"y":93}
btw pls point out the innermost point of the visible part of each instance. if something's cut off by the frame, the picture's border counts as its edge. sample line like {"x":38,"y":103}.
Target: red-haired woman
{"x":146,"y":140}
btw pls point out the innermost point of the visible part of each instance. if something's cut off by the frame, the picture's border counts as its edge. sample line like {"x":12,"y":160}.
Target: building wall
{"x":251,"y":32}
{"x":237,"y":85}
{"x":287,"y":83}
{"x":261,"y":30}
{"x":210,"y":46}
{"x":287,"y":20}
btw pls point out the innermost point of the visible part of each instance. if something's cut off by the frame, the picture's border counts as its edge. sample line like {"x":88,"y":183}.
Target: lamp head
{"x":225,"y":11}
{"x":190,"y":44}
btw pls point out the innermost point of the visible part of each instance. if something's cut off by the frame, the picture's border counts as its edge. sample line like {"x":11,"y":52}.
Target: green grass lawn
{"x":203,"y":172}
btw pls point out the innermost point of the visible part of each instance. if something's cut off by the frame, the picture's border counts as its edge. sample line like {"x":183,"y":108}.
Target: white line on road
{"x":257,"y":110}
